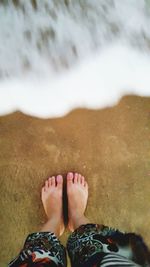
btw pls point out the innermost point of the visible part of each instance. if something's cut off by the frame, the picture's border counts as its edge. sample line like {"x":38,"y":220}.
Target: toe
{"x":75,"y":178}
{"x":49,"y":181}
{"x":70,"y":177}
{"x":43,"y":190}
{"x":59,"y":179}
{"x":53,"y":181}
{"x":79,"y":178}
{"x":82,"y":180}
{"x":85,"y":184}
{"x":46,"y":184}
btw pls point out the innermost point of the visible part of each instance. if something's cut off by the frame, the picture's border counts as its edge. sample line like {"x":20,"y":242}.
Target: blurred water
{"x":57,"y":55}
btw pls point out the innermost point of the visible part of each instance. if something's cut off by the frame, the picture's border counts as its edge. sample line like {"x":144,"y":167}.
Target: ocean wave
{"x":59,"y":55}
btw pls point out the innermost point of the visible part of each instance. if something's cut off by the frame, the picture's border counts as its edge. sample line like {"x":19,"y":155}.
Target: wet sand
{"x":111,"y":147}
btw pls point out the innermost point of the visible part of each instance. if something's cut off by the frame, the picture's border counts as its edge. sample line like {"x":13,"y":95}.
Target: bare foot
{"x":77,"y":191}
{"x":52,"y":202}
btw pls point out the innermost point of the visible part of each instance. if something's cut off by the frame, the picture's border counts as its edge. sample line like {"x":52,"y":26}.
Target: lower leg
{"x":79,"y":248}
{"x":43,"y":247}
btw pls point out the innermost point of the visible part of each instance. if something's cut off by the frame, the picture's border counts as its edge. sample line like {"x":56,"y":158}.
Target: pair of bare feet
{"x":52,"y":194}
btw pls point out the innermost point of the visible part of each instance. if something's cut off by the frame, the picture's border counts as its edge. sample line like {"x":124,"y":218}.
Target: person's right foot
{"x":77,"y":191}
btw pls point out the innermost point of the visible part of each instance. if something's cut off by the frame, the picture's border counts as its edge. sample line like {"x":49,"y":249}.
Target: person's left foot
{"x":52,"y":201}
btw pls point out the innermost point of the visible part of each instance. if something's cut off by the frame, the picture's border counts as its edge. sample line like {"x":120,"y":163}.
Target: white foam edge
{"x":97,"y":82}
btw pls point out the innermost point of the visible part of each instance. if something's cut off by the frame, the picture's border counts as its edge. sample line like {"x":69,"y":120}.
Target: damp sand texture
{"x":110,"y":147}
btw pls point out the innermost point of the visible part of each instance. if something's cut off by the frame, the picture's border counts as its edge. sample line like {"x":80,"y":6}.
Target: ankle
{"x":78,"y":220}
{"x":52,"y":225}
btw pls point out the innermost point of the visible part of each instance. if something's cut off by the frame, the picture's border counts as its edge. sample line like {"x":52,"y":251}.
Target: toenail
{"x":59,"y":177}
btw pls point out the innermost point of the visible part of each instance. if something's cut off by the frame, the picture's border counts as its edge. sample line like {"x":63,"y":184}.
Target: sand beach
{"x":110,"y":147}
